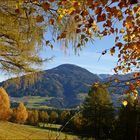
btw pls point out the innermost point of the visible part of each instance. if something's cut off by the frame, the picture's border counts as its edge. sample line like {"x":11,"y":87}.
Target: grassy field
{"x":11,"y":131}
{"x":50,"y":126}
{"x":33,"y":101}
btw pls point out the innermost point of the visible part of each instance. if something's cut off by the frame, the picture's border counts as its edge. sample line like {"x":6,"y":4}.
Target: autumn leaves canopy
{"x":79,"y":21}
{"x":6,"y":113}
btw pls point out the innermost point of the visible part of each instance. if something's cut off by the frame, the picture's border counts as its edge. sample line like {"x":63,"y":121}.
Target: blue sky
{"x":88,"y":58}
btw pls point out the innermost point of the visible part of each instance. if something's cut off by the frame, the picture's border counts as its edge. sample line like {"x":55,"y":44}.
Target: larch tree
{"x":65,"y":116}
{"x":78,"y":122}
{"x":33,"y":117}
{"x":44,"y":117}
{"x":4,"y":105}
{"x":36,"y":117}
{"x":19,"y":39}
{"x":53,"y":116}
{"x":21,"y":113}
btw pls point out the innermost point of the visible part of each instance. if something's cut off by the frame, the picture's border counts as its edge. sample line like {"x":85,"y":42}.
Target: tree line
{"x":22,"y":115}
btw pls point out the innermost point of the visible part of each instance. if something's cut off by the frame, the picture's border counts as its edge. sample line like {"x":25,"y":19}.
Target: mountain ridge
{"x":66,"y":85}
{"x":66,"y":81}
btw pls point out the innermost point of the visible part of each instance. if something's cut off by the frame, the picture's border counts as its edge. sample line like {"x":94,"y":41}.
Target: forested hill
{"x":68,"y":85}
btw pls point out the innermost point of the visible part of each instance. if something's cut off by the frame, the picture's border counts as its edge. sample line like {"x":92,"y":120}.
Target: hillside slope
{"x":67,"y":83}
{"x":62,"y":87}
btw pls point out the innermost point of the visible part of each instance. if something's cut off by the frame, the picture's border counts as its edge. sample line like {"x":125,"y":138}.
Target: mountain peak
{"x":72,"y":69}
{"x":68,"y":66}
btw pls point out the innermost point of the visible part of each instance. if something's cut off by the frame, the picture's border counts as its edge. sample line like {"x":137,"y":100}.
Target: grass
{"x":11,"y":131}
{"x":49,"y":125}
{"x":33,"y":101}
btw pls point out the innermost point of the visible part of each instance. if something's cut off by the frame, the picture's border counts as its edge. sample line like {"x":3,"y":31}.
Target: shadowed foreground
{"x":10,"y":131}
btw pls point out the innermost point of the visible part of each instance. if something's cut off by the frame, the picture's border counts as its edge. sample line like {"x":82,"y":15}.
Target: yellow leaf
{"x":35,"y":2}
{"x":135,"y":92}
{"x":71,"y":10}
{"x":124,"y":103}
{"x":127,"y":83}
{"x":94,"y":26}
{"x":17,"y":5}
{"x":128,"y":25}
{"x":21,"y":2}
{"x":122,"y":30}
{"x":96,"y":84}
{"x":116,"y":80}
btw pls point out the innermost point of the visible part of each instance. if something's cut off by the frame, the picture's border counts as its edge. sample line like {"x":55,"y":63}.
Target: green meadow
{"x":33,"y":101}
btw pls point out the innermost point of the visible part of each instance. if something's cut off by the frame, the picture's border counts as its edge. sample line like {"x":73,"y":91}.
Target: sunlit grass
{"x":11,"y":131}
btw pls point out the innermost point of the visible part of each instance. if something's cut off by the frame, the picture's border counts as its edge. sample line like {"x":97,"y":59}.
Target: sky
{"x":88,"y":58}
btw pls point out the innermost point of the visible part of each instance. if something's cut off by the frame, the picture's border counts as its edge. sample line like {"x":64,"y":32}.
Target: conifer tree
{"x":98,"y":112}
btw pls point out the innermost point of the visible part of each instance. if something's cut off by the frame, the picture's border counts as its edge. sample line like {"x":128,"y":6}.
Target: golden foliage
{"x":4,"y":105}
{"x":124,"y":103}
{"x":78,"y":22}
{"x":19,"y":38}
{"x":21,"y":113}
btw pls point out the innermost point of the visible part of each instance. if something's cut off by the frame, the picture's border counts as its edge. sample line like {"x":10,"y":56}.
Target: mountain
{"x":66,"y":84}
{"x":104,"y":76}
